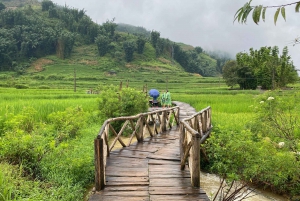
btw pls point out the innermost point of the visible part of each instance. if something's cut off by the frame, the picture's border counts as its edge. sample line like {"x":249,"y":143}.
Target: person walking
{"x":168,"y":100}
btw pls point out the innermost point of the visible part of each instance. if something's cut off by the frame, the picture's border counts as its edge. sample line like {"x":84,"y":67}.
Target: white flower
{"x":261,"y":102}
{"x":270,"y":98}
{"x":281,"y":144}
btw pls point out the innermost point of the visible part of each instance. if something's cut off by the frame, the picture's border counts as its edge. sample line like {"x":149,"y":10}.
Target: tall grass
{"x":233,"y":110}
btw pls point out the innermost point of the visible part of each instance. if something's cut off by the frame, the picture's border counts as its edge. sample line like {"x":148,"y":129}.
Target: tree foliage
{"x":129,"y":48}
{"x":230,"y":73}
{"x":259,"y":12}
{"x":113,"y":102}
{"x":140,"y":43}
{"x":2,"y":6}
{"x":264,"y":67}
{"x":28,"y":32}
{"x":102,"y":44}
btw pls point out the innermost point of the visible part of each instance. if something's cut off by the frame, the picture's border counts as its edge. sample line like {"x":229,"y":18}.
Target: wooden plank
{"x":164,"y":158}
{"x":122,"y":169}
{"x":174,"y":190}
{"x":127,"y":188}
{"x":161,"y":162}
{"x":193,"y":197}
{"x":117,"y":161}
{"x":127,"y":173}
{"x":162,"y":182}
{"x":131,"y":154}
{"x":125,"y":193}
{"x":120,"y":198}
{"x":122,"y":179}
{"x":170,"y":175}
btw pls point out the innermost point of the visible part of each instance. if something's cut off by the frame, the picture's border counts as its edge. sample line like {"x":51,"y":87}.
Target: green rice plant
{"x":67,"y":123}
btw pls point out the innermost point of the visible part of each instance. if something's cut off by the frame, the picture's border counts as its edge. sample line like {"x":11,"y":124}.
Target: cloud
{"x":205,"y":23}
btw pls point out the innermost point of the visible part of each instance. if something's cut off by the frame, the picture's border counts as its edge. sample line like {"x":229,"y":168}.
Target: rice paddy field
{"x":64,"y":165}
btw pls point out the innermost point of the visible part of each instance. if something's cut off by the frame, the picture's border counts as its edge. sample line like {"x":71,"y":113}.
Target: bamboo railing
{"x":138,"y":126}
{"x":194,"y":131}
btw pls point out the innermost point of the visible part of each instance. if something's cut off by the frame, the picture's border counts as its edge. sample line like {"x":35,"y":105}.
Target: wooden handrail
{"x":138,"y":124}
{"x":194,"y":130}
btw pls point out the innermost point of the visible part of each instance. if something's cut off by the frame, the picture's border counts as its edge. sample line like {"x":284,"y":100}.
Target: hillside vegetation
{"x":41,"y":37}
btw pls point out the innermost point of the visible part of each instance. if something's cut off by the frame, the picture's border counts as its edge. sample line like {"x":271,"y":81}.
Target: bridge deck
{"x":149,"y":171}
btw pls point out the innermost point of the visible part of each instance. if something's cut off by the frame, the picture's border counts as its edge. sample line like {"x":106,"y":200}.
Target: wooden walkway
{"x":150,"y":170}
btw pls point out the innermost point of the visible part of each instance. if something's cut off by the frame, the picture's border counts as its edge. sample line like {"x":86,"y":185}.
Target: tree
{"x":264,"y":67}
{"x":230,"y":73}
{"x":2,"y":6}
{"x":141,"y":41}
{"x":198,"y":49}
{"x":103,"y":44}
{"x":154,"y":38}
{"x":259,"y":12}
{"x":129,"y":47}
{"x":46,"y":5}
{"x":108,"y":28}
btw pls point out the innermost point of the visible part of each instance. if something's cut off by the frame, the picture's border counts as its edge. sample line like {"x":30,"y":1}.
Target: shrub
{"x":44,"y":87}
{"x":38,"y":77}
{"x":68,"y":122}
{"x":115,"y":103}
{"x":55,"y":77}
{"x":21,"y":86}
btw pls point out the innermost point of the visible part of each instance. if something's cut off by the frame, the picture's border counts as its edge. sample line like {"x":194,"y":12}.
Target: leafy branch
{"x":259,"y":12}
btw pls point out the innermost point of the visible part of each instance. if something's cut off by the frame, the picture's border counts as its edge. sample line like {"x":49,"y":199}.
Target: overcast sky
{"x":205,"y":23}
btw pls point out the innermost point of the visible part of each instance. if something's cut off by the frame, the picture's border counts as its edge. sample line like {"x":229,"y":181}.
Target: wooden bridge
{"x":163,"y":163}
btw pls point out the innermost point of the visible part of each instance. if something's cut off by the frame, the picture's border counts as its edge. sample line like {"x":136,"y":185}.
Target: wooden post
{"x":204,"y":121}
{"x":164,"y":121}
{"x":121,"y":85}
{"x":74,"y":80}
{"x":181,"y":141}
{"x":127,"y":84}
{"x":146,"y":90}
{"x":195,"y":166}
{"x":140,"y":131}
{"x":99,"y":164}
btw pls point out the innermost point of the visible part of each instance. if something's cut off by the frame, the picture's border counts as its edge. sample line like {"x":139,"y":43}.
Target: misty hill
{"x":30,"y":30}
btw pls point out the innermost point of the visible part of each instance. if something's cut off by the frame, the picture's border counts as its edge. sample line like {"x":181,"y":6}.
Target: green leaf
{"x":264,"y":13}
{"x":258,"y":13}
{"x":245,"y":14}
{"x":254,"y":15}
{"x":283,"y":13}
{"x":297,"y":7}
{"x":238,"y":14}
{"x":276,"y":15}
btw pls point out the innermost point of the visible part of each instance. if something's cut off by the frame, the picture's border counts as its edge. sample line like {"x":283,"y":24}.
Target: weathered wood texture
{"x":163,"y":166}
{"x":138,"y":126}
{"x":149,"y":171}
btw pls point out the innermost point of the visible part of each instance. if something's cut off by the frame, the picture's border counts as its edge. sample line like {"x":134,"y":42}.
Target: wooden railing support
{"x":181,"y":142}
{"x":139,"y":125}
{"x":195,"y":161}
{"x":164,"y":121}
{"x":99,"y":164}
{"x":140,"y":130}
{"x":194,"y":131}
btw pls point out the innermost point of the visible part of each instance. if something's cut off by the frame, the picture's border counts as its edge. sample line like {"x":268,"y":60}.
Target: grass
{"x":66,"y":168}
